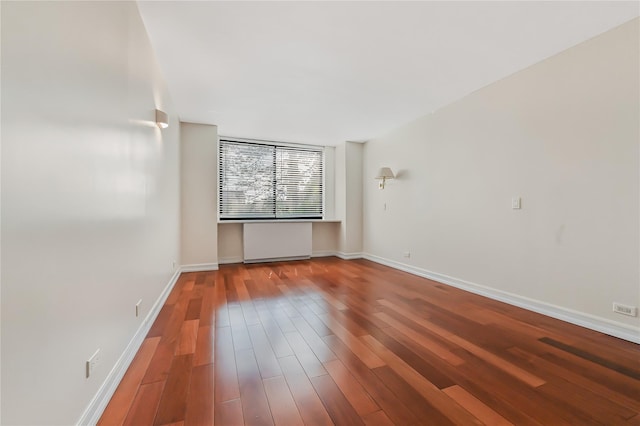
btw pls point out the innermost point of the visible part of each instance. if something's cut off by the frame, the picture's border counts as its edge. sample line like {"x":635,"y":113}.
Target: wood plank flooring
{"x":329,"y":341}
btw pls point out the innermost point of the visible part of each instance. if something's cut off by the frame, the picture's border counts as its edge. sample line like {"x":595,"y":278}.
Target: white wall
{"x":349,"y":198}
{"x":324,"y":238}
{"x":562,"y":134}
{"x":230,"y":243}
{"x":90,"y":199}
{"x":198,"y":180}
{"x":329,"y":182}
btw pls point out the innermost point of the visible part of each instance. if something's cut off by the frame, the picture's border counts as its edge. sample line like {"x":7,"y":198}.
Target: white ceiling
{"x":327,"y":72}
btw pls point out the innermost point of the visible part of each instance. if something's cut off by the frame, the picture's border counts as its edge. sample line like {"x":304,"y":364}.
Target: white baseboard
{"x":277,"y":259}
{"x":349,"y":256}
{"x":318,"y":253}
{"x":199,"y":267}
{"x":240,"y":259}
{"x":603,"y":325}
{"x":100,"y":400}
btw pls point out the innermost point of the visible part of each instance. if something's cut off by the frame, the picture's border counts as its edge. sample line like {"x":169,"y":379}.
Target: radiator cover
{"x":264,"y":242}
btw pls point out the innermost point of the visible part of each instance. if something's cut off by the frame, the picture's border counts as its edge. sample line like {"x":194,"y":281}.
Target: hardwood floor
{"x":329,"y":341}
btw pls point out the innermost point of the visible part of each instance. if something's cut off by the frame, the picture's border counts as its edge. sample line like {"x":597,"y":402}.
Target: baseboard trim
{"x":277,"y":259}
{"x":240,"y":259}
{"x":199,"y":267}
{"x":349,"y":256}
{"x":319,"y":253}
{"x":100,"y":400}
{"x":612,"y":328}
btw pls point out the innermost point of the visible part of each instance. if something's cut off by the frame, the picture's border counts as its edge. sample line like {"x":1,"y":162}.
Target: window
{"x":262,"y":181}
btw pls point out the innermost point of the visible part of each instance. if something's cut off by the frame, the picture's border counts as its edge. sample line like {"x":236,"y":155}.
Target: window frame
{"x":302,"y":147}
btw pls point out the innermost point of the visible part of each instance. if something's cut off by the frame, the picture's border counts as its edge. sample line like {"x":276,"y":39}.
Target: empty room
{"x":320,"y":213}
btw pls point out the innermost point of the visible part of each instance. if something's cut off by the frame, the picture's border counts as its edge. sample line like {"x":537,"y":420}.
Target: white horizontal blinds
{"x":260,"y":181}
{"x":246,"y":180}
{"x":298,"y":183}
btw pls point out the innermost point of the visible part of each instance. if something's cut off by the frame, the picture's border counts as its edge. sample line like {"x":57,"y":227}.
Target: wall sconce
{"x":162,"y":120}
{"x":383,"y":174}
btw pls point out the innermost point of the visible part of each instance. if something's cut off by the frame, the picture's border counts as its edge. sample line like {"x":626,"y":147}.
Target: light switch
{"x":516,"y":203}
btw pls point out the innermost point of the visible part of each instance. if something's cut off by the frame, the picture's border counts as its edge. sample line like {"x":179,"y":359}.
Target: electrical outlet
{"x":138,"y":307}
{"x":173,"y":265}
{"x":619,"y":308}
{"x":406,"y":254}
{"x":92,"y":363}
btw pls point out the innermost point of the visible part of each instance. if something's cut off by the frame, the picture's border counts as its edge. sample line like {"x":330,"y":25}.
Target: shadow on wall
{"x":402,"y":174}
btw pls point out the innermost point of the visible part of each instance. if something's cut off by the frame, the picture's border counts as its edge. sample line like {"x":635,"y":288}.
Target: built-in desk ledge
{"x":280,"y":221}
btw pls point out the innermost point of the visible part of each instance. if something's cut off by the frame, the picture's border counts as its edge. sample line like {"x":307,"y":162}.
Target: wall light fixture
{"x":383,"y":174}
